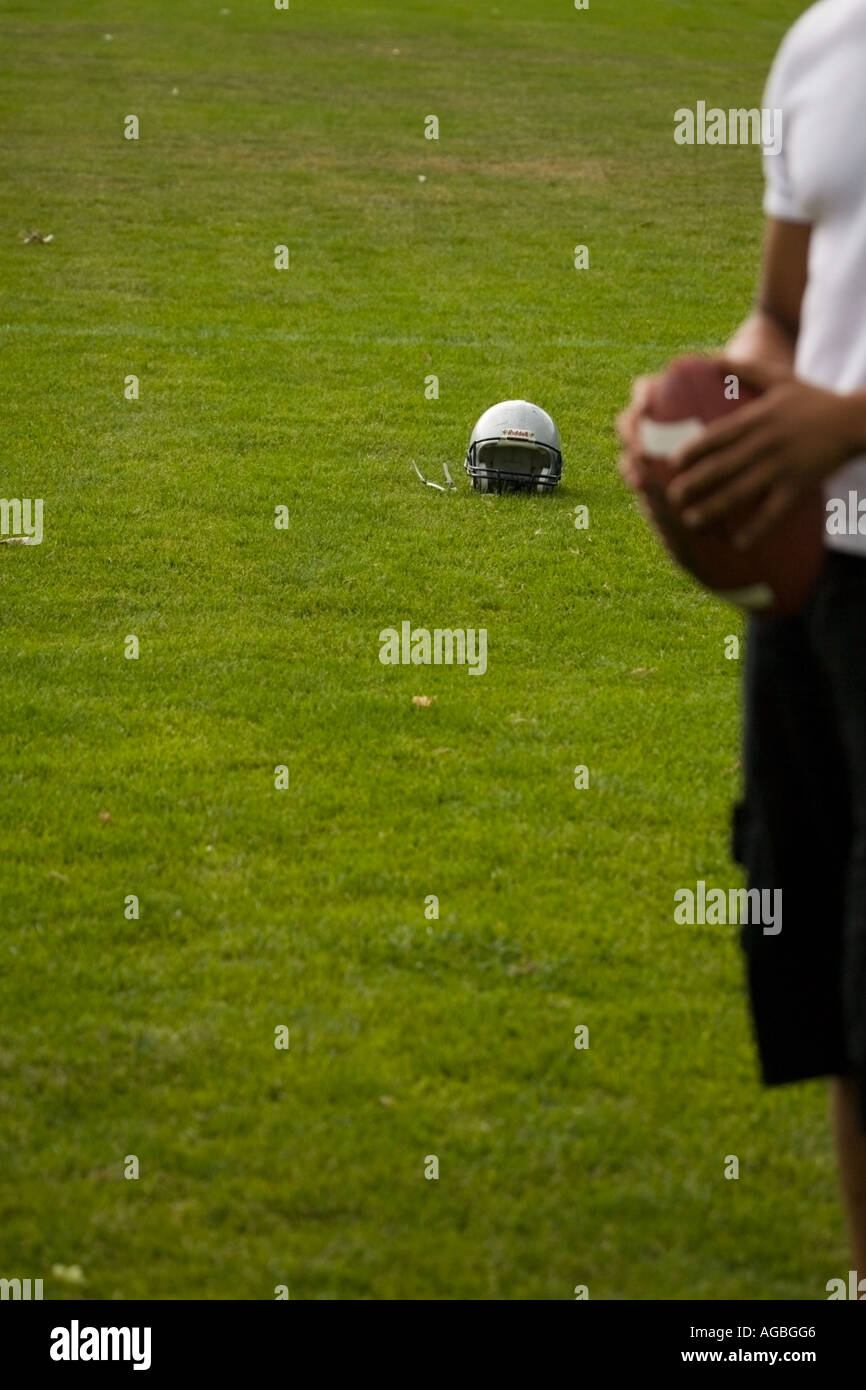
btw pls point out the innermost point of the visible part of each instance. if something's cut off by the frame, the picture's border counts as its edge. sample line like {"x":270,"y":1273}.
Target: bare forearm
{"x":764,"y":341}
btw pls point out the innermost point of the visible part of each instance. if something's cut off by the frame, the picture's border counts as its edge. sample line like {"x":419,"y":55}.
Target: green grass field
{"x":259,"y":647}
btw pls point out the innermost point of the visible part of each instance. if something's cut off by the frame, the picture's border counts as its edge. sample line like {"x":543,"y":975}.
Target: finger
{"x":629,"y":470}
{"x":745,"y":487}
{"x":627,"y":422}
{"x":778,"y":502}
{"x":704,"y":478}
{"x":626,"y":427}
{"x":718,"y":434}
{"x":640,"y":390}
{"x":634,"y":472}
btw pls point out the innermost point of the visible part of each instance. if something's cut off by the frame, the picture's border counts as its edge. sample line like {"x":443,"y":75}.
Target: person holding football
{"x":801,"y":825}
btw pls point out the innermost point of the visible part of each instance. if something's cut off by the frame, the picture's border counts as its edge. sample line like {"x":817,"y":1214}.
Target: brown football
{"x":774,"y":576}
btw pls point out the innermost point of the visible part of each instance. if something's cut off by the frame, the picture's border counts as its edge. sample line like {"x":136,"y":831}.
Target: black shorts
{"x":801,"y":827}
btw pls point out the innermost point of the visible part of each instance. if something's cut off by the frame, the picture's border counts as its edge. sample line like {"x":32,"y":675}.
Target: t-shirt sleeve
{"x":781,"y":197}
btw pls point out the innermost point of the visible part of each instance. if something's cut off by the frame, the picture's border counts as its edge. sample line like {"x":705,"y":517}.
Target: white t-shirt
{"x":818,"y":81}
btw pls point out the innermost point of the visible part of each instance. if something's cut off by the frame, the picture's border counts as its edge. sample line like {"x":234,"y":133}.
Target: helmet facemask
{"x":508,"y":465}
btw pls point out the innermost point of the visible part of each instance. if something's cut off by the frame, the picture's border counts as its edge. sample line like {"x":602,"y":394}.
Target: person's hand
{"x":633,"y":470}
{"x":771,"y":451}
{"x":647,"y":487}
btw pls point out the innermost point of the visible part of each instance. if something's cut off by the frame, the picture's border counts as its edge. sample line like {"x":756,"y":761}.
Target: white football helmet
{"x":514,"y":447}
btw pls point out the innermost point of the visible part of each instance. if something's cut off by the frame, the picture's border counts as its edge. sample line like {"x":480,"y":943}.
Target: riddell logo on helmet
{"x":517,"y":434}
{"x":441,"y":647}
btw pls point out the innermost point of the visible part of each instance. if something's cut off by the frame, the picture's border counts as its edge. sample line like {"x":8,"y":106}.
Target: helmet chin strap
{"x":452,"y":486}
